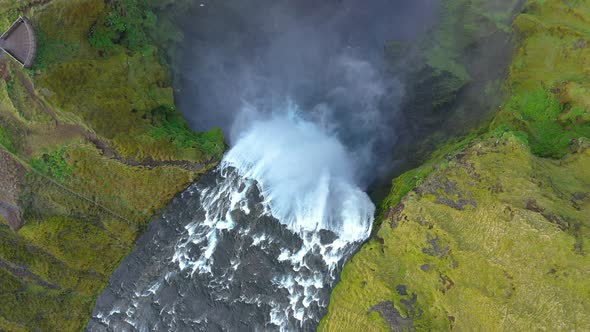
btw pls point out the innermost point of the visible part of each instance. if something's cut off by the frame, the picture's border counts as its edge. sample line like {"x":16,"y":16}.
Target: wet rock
{"x":395,"y":215}
{"x":327,"y":237}
{"x":410,"y":306}
{"x":393,"y":317}
{"x":401,"y":289}
{"x":457,"y":205}
{"x":447,"y":283}
{"x":580,"y":44}
{"x":12,"y":214}
{"x":436,"y":249}
{"x":532,"y":205}
{"x":12,"y":174}
{"x":579,"y":196}
{"x":187,"y":275}
{"x":557,"y":220}
{"x":497,"y":188}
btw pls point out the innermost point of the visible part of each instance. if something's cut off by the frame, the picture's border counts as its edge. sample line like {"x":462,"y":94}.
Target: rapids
{"x":256,"y":244}
{"x":308,"y":99}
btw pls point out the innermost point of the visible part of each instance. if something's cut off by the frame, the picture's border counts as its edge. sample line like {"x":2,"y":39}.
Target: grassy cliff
{"x":492,"y":233}
{"x":91,"y":146}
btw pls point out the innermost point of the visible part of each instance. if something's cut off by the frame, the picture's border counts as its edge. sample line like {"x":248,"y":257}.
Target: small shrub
{"x":54,"y":165}
{"x":126,"y":23}
{"x":169,"y":124}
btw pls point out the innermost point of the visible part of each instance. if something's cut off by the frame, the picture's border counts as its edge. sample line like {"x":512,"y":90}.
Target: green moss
{"x":53,"y":164}
{"x":52,"y":51}
{"x":79,"y":244}
{"x":546,"y":84}
{"x":549,"y":134}
{"x":500,"y":259}
{"x":6,"y":140}
{"x":135,"y":91}
{"x":115,"y":185}
{"x":84,"y":210}
{"x":488,"y":235}
{"x":46,"y":269}
{"x":126,"y":23}
{"x":170,"y":126}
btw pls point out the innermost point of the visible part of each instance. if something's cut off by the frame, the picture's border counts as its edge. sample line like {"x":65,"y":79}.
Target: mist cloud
{"x":325,"y":56}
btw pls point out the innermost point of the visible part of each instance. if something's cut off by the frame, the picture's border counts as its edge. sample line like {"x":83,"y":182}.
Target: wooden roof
{"x":20,"y":42}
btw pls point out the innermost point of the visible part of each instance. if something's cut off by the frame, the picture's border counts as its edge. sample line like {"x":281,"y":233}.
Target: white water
{"x":281,"y":274}
{"x":306,"y":177}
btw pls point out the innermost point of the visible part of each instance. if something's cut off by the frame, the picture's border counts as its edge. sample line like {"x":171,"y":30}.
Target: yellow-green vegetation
{"x":492,"y":235}
{"x":494,"y":239}
{"x":95,"y":147}
{"x":549,"y":79}
{"x":124,"y":80}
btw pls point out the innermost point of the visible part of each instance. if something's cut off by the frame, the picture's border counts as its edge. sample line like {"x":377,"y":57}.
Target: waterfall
{"x":260,"y":239}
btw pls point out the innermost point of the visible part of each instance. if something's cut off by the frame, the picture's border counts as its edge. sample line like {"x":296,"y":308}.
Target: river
{"x":303,"y":90}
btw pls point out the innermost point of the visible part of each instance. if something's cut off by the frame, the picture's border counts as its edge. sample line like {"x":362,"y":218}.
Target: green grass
{"x":115,"y":81}
{"x":53,"y":51}
{"x":29,"y":306}
{"x":540,"y":110}
{"x":6,"y":140}
{"x":518,"y":256}
{"x":53,"y":164}
{"x":76,"y":242}
{"x":126,"y":23}
{"x":169,"y":125}
{"x":69,"y":244}
{"x":547,"y":85}
{"x":508,"y":267}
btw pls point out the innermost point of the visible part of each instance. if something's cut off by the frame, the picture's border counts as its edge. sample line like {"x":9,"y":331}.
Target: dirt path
{"x":23,"y":273}
{"x":24,"y":165}
{"x":12,"y":174}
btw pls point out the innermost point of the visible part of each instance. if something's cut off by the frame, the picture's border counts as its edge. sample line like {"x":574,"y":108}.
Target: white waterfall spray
{"x":306,"y":177}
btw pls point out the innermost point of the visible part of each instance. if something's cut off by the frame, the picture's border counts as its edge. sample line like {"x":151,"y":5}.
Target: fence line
{"x":70,"y":191}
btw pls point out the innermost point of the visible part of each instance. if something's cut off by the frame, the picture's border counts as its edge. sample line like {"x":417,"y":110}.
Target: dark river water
{"x":307,"y":100}
{"x":217,"y":260}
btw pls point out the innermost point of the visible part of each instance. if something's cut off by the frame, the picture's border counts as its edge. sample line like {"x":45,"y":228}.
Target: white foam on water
{"x":306,"y":175}
{"x":307,"y":179}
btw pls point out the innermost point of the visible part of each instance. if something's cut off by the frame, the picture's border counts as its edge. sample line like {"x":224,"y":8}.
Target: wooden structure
{"x":20,"y":42}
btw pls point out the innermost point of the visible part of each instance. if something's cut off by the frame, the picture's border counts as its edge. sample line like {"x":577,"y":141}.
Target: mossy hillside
{"x":38,"y":286}
{"x":549,"y":80}
{"x":462,"y":26}
{"x":493,"y":240}
{"x":64,"y":230}
{"x":116,"y":89}
{"x":494,"y":236}
{"x":454,"y":77}
{"x":83,"y":206}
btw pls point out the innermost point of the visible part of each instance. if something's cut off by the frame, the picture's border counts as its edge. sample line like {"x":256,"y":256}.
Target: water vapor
{"x":243,"y":60}
{"x":302,"y":89}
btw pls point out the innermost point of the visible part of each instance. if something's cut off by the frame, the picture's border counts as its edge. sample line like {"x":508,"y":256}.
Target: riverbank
{"x":491,"y":232}
{"x":91,"y":147}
